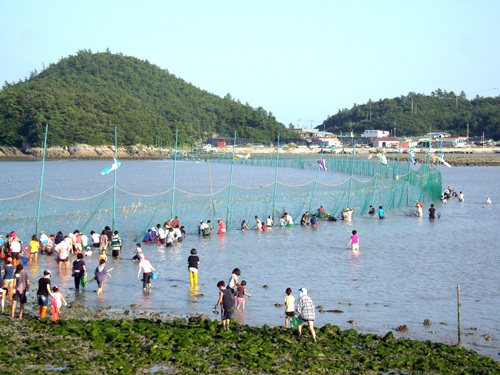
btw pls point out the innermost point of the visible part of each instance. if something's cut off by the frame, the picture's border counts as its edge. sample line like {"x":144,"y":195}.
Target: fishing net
{"x":392,"y":186}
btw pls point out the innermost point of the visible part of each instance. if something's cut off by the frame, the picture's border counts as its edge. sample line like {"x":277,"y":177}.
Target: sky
{"x":301,"y":60}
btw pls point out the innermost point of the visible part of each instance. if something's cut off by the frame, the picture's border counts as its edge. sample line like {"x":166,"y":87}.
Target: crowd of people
{"x":15,"y":281}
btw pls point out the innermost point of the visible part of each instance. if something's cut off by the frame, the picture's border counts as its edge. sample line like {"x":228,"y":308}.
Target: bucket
{"x":154,"y":276}
{"x":25,"y":258}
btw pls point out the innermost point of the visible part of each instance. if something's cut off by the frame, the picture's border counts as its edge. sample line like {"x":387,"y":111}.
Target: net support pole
{"x":352,"y":172}
{"x":458,"y":310}
{"x":276,"y":174}
{"x":41,"y":180}
{"x":114,"y":188}
{"x":230,"y":184}
{"x":173,"y":177}
{"x":315,"y":182}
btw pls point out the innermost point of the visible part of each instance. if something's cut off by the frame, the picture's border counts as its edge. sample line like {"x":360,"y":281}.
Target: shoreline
{"x":137,"y":343}
{"x":455,"y":157}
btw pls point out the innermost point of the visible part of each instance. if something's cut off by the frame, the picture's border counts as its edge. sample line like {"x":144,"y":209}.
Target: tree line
{"x":417,"y":114}
{"x":83,"y":97}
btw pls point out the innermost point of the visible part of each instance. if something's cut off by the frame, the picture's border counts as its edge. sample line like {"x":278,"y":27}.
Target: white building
{"x":375,"y":134}
{"x":325,"y":139}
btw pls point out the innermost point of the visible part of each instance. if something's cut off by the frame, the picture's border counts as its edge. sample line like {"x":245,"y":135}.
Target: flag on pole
{"x":441,"y":159}
{"x":116,"y":165}
{"x":412,"y":158}
{"x":382,"y":159}
{"x":322,"y":164}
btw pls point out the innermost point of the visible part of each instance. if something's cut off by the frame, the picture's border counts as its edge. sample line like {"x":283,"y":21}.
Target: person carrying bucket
{"x":147,"y":272}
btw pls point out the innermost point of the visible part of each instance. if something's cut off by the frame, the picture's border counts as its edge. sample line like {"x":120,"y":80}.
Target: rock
{"x":433,"y":332}
{"x":427,"y":322}
{"x":134,"y":305}
{"x":487,"y":337}
{"x":335,"y":311}
{"x":76,"y":305}
{"x":319,"y":307}
{"x":472,"y":328}
{"x":322,"y":311}
{"x":199,"y":295}
{"x":444,"y":324}
{"x":175,"y":286}
{"x":265,"y":286}
{"x":352,"y":322}
{"x":402,"y":328}
{"x":278,"y":304}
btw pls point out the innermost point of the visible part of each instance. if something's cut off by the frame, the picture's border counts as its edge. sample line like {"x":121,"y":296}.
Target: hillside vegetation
{"x":417,"y":114}
{"x":84,"y":97}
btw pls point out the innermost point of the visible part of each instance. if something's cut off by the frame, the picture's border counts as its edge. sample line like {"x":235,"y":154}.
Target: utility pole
{"x":467,"y":134}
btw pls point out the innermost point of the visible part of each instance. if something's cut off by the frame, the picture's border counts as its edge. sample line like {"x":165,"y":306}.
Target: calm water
{"x":407,"y":269}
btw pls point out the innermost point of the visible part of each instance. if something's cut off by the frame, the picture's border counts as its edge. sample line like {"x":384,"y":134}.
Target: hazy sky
{"x":297,"y":59}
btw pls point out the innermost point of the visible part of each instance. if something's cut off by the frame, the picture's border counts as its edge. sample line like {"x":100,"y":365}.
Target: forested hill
{"x":417,"y":114}
{"x":84,"y":97}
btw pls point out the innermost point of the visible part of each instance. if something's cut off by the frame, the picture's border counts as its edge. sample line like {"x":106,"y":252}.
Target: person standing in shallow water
{"x":100,"y":275}
{"x":227,"y":304}
{"x":432,"y":212}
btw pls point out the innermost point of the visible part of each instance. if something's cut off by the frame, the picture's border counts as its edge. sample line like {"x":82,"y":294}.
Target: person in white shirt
{"x":63,"y":250}
{"x":147,"y":271}
{"x":269,"y":222}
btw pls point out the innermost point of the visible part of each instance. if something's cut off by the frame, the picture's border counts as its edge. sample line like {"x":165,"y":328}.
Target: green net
{"x":392,"y":186}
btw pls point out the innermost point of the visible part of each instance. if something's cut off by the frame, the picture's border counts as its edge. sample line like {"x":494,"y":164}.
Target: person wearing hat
{"x":418,"y":206}
{"x":44,"y":293}
{"x":305,"y":312}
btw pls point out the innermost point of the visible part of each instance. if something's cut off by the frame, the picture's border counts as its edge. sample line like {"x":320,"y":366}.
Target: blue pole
{"x":114,"y":188}
{"x":173,"y":178}
{"x":352,"y":172}
{"x":41,"y":180}
{"x":315,"y":182}
{"x":230,"y":184}
{"x":276,"y":173}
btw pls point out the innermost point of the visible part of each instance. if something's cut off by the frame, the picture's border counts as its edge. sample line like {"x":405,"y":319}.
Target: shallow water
{"x":406,"y":271}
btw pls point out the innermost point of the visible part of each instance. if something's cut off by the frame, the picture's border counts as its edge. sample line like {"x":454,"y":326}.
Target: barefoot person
{"x":21,"y":286}
{"x":100,"y":275}
{"x":227,"y":304}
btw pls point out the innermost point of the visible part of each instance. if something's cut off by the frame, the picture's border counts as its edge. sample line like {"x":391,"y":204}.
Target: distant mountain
{"x":417,"y":114}
{"x":84,"y":97}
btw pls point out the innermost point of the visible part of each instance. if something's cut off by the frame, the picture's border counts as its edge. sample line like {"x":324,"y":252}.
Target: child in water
{"x":242,"y":292}
{"x":354,"y":242}
{"x":57,"y":301}
{"x":290,"y":307}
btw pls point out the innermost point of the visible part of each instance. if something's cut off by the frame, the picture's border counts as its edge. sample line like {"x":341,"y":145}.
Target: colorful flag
{"x":412,"y":158}
{"x":382,"y":159}
{"x":322,"y":164}
{"x":116,"y":165}
{"x":440,"y":158}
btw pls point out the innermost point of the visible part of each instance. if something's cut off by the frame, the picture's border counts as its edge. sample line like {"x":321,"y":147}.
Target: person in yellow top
{"x":290,"y":307}
{"x":34,"y":246}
